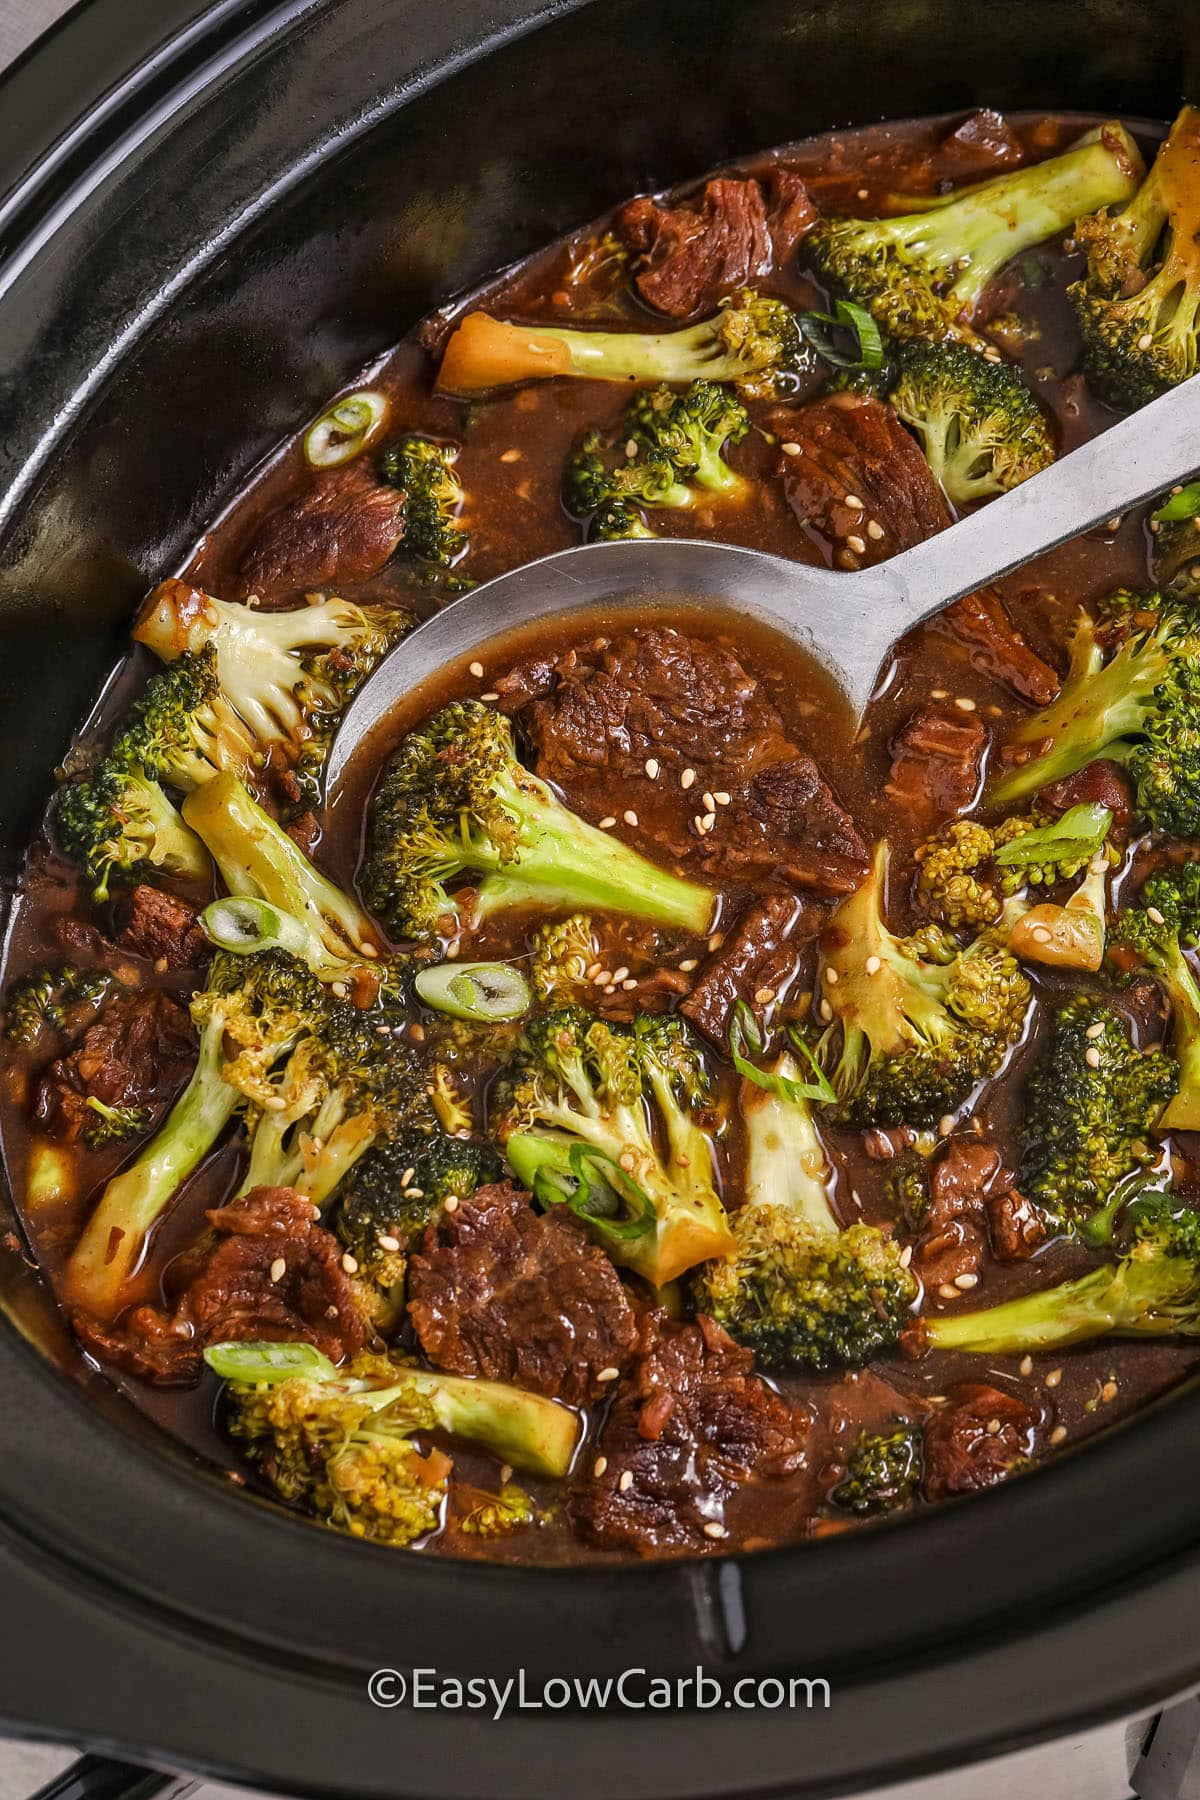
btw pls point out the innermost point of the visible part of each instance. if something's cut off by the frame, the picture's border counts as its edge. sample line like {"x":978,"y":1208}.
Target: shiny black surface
{"x":270,"y":203}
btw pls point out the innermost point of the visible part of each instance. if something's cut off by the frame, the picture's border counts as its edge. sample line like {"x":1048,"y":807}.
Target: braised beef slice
{"x":163,"y":928}
{"x":982,"y":145}
{"x":234,"y":1289}
{"x":1101,"y":783}
{"x":761,"y":953}
{"x":502,"y":1291}
{"x":982,"y":623}
{"x":953,"y":1239}
{"x":659,"y":696}
{"x":337,"y":530}
{"x":688,"y":1427}
{"x":975,"y":1439}
{"x":936,"y":763}
{"x":691,"y":256}
{"x":1015,"y":1225}
{"x":138,"y":1051}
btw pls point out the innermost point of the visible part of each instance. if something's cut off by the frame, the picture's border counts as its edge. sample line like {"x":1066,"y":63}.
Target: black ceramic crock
{"x":214,"y":214}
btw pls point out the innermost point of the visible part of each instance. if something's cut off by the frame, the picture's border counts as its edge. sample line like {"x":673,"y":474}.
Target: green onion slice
{"x":251,"y":1363}
{"x":484,"y":991}
{"x":1183,"y":505}
{"x":339,"y":435}
{"x":594,"y":1191}
{"x":850,"y":318}
{"x":744,"y":1035}
{"x":244,"y":925}
{"x":1079,"y":833}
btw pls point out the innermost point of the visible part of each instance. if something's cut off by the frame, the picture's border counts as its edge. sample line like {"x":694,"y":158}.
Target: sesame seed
{"x":510,"y":456}
{"x":705,"y":822}
{"x":966,"y":1281}
{"x":652,"y":767}
{"x":906,"y":1256}
{"x":855,"y":543}
{"x":791,"y":449}
{"x":477,"y":669}
{"x":492,"y":696}
{"x":992,"y":1427}
{"x":629,"y":816}
{"x":873,"y":965}
{"x":689,"y":963}
{"x":339,"y":988}
{"x":945,"y":1124}
{"x":874,"y":529}
{"x":1091,"y":1057}
{"x":1040,"y":935}
{"x":826,"y":1012}
{"x":1108,"y":1391}
{"x":1058,"y":1434}
{"x":451,"y":1202}
{"x":1096,"y":1030}
{"x":1053,"y":1378}
{"x":599,"y":1466}
{"x":161,"y":965}
{"x":763,"y":996}
{"x":948,"y":1292}
{"x":416,"y":1032}
{"x":707,"y":802}
{"x":1155,"y":917}
{"x":722,"y":798}
{"x":716,"y":940}
{"x":631,"y":448}
{"x":604,"y":978}
{"x":938,"y":694}
{"x":687,"y":779}
{"x":387,"y":1242}
{"x":278,"y":1269}
{"x":407,"y":1177}
{"x":1145,"y":341}
{"x":607,"y":824}
{"x":1114,"y":524}
{"x":863,"y":193}
{"x":713,"y":1530}
{"x":626,"y":1160}
{"x":609,"y":1374}
{"x":629,"y":985}
{"x":853,"y":500}
{"x":832,"y":977}
{"x":964,"y":704}
{"x":349,"y":1263}
{"x":1025,"y":1365}
{"x":621,"y":973}
{"x":626,"y":1481}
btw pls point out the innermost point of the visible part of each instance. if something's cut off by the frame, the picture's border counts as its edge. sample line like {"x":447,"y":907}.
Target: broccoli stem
{"x":1179,"y":984}
{"x":488,"y":353}
{"x":524,"y":1429}
{"x":786,"y":1165}
{"x":563,"y":862}
{"x":258,"y":860}
{"x":113,"y":1239}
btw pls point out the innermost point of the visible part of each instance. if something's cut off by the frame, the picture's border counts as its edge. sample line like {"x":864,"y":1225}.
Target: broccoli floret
{"x":884,"y":1471}
{"x":253,"y":1012}
{"x":1152,"y":1291}
{"x":339,"y":1441}
{"x":908,"y":1038}
{"x":923,"y":275}
{"x":1153,"y":935}
{"x":113,"y":1124}
{"x":1138,"y":304}
{"x":52,"y":1000}
{"x":576,"y":1113}
{"x":284,"y":677}
{"x":1090,"y":1103}
{"x":968,"y":873}
{"x":797,"y":1289}
{"x":433,"y":498}
{"x":258,"y":860}
{"x":617,"y":519}
{"x":979,"y":426}
{"x":1175,"y":541}
{"x":454,"y":800}
{"x":691,"y":430}
{"x":1139,"y":706}
{"x":510,"y":1510}
{"x":563,"y":952}
{"x":753,"y":340}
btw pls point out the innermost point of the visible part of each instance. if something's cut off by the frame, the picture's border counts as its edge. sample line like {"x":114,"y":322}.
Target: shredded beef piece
{"x":1101,"y":783}
{"x":689,"y":704}
{"x":689,"y":1425}
{"x":936,"y":763}
{"x":229,"y":1293}
{"x":982,"y":145}
{"x":853,"y":446}
{"x":982,"y":622}
{"x":502,"y":1291}
{"x":137,"y":1052}
{"x":761,"y":953}
{"x":161,"y":927}
{"x":1015,"y":1226}
{"x":305,"y":830}
{"x":953,"y":1239}
{"x":691,"y":256}
{"x":337,"y":530}
{"x":962,"y":1453}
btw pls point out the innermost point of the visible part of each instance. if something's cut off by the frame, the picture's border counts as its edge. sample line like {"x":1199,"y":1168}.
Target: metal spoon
{"x":847,"y":622}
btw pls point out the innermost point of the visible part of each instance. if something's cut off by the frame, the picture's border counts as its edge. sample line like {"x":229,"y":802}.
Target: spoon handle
{"x":1141,"y":456}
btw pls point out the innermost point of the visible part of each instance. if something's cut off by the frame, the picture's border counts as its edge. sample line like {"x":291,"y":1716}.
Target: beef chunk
{"x":690,"y":256}
{"x":163,"y":928}
{"x":688,"y":1427}
{"x":761,"y":953}
{"x":1015,"y":1225}
{"x":848,"y":465}
{"x":936,"y":763}
{"x":137,"y":1052}
{"x":502,"y":1291}
{"x":337,"y":530}
{"x":953,"y":1238}
{"x":981,"y":622}
{"x":975,"y":1439}
{"x":1099,"y":784}
{"x":982,"y":145}
{"x":682,"y":704}
{"x":234,"y":1289}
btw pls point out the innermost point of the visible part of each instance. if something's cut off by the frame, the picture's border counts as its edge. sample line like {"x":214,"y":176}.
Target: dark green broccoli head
{"x":884,"y":1471}
{"x":1090,"y":1104}
{"x":113,"y":1124}
{"x":399,"y":1186}
{"x":52,"y":1000}
{"x":433,"y":498}
{"x":690,"y":430}
{"x":979,"y":426}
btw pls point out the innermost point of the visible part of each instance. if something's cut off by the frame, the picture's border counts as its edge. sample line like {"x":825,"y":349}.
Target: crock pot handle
{"x":104,"y":1778}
